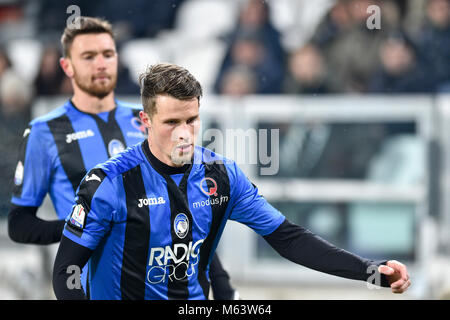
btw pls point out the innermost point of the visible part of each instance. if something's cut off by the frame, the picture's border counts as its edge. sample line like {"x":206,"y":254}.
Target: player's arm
{"x":301,"y":246}
{"x":69,"y":261}
{"x":304,"y":247}
{"x":87,"y":224}
{"x":31,"y":183}
{"x":25,"y":227}
{"x":220,"y":281}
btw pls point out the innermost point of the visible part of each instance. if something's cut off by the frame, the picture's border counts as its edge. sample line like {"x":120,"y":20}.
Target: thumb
{"x":386,"y":270}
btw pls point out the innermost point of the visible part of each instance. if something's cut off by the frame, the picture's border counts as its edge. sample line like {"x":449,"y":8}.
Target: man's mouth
{"x":184,"y":148}
{"x":101,"y":77}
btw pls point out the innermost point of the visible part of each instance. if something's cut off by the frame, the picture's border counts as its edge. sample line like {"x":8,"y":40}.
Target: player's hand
{"x":397,"y":275}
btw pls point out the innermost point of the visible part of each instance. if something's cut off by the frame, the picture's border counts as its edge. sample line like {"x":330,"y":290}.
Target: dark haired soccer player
{"x":60,"y":147}
{"x":151,"y":220}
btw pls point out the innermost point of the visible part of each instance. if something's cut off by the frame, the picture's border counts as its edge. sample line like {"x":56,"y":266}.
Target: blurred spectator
{"x":11,"y":11}
{"x":306,"y":72}
{"x":248,"y":50}
{"x":238,"y":81}
{"x":50,"y":76}
{"x":335,"y":23}
{"x":15,"y":99}
{"x":400,"y":71}
{"x":393,"y":13}
{"x":350,"y":47}
{"x":255,"y":15}
{"x":255,"y":43}
{"x":434,"y":44}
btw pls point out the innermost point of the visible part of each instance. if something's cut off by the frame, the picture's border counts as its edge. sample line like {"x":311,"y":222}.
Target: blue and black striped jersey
{"x":154,"y":232}
{"x":60,"y":147}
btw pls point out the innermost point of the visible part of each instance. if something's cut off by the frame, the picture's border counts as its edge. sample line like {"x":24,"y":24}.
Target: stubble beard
{"x":179,"y":159}
{"x":92,"y":88}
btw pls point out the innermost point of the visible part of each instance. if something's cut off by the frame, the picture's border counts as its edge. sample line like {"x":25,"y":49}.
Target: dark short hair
{"x":167,"y":79}
{"x":84,"y":25}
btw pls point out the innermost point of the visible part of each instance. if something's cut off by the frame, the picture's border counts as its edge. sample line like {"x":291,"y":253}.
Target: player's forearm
{"x":303,"y":247}
{"x":220,"y":281}
{"x":69,"y":261}
{"x":25,"y":227}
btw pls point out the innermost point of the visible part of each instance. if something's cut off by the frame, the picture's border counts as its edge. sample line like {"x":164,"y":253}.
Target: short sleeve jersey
{"x":154,"y":233}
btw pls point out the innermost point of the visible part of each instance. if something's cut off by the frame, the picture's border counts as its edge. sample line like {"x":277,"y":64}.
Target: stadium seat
{"x":25,"y":55}
{"x":388,"y":227}
{"x":138,"y":54}
{"x":297,"y":20}
{"x":202,"y":19}
{"x":203,"y":60}
{"x":401,"y":161}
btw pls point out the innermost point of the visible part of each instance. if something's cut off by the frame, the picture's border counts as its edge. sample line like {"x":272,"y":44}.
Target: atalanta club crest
{"x":114,"y":147}
{"x":181,"y":225}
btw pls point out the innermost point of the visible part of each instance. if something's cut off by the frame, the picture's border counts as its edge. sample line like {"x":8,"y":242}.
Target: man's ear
{"x":145,"y":119}
{"x":66,"y":65}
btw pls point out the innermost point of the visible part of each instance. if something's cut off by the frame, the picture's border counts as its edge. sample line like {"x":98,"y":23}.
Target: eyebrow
{"x":96,"y":52}
{"x":194,"y":117}
{"x":178,"y":120}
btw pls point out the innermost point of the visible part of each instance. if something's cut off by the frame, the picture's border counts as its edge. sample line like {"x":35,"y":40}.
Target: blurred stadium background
{"x":363,"y":117}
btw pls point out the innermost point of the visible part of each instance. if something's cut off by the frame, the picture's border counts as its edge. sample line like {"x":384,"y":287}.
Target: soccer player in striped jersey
{"x":149,"y":219}
{"x":61,"y":146}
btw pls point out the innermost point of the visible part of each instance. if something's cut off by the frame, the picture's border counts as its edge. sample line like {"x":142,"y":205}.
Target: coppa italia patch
{"x":78,"y":215}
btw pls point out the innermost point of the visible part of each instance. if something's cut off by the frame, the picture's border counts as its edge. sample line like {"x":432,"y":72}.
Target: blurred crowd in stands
{"x":410,"y":53}
{"x":343,"y":55}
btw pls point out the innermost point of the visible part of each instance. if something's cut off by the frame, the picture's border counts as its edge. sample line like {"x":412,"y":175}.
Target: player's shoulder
{"x":128,"y":105}
{"x":212,"y":159}
{"x":52,"y":115}
{"x":39,"y":126}
{"x":221,"y":163}
{"x":103,"y":178}
{"x":207,"y":156}
{"x":123,"y":161}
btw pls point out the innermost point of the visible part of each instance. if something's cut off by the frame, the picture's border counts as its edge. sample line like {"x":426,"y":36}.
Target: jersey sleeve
{"x":33,"y":171}
{"x":93,"y":211}
{"x":250,"y":208}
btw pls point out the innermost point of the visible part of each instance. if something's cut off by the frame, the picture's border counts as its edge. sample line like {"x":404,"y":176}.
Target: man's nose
{"x":182,"y":132}
{"x":100,"y":62}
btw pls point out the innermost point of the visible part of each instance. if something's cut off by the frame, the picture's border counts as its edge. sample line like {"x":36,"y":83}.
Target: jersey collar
{"x":160,"y":166}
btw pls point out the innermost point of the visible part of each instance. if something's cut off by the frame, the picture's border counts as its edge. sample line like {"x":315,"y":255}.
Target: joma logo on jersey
{"x":173,"y":264}
{"x":79,"y":135}
{"x":151,"y":201}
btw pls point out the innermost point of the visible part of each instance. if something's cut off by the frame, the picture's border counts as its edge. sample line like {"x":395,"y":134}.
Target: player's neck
{"x":166,"y":167}
{"x":159,"y":156}
{"x":91,"y":104}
